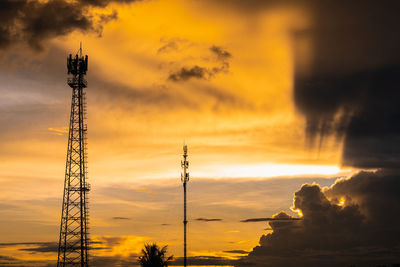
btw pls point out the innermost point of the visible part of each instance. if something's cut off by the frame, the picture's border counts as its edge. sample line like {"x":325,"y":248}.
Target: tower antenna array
{"x":74,"y":238}
{"x":184,"y":179}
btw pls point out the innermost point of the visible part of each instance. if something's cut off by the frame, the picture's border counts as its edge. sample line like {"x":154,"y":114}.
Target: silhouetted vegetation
{"x":154,"y":256}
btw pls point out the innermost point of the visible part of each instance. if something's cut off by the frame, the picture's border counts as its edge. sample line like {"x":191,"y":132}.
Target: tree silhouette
{"x":154,"y":256}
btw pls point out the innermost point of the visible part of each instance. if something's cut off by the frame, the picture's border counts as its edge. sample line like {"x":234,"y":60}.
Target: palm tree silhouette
{"x":154,"y":256}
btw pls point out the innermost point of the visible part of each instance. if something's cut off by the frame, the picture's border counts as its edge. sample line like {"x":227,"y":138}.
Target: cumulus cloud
{"x":33,"y":22}
{"x":352,"y":222}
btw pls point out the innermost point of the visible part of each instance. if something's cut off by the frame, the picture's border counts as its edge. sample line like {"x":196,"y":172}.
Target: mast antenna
{"x":184,"y":179}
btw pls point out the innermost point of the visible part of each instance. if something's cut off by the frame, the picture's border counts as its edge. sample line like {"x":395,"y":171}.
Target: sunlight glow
{"x":298,"y":212}
{"x":267,"y":170}
{"x":123,"y":245}
{"x":342,"y":201}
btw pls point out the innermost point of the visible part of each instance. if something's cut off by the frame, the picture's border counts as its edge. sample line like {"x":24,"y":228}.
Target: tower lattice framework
{"x":74,"y":237}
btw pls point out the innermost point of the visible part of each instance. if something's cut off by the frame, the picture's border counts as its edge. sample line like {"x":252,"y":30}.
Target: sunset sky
{"x":268,"y":96}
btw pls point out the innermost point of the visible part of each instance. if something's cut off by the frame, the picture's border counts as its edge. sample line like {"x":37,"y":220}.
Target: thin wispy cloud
{"x":269,"y":219}
{"x":208,"y":220}
{"x":121,"y":218}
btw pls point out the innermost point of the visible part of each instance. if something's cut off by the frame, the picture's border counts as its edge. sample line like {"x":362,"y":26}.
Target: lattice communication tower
{"x":74,"y":237}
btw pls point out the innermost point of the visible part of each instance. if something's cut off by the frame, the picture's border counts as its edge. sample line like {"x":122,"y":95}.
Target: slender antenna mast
{"x":184,"y":179}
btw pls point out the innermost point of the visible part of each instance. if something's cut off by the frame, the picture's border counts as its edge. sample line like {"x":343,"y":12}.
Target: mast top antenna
{"x":184,"y":148}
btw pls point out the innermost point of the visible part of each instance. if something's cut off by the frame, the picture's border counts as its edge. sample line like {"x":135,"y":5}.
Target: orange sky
{"x":240,"y":124}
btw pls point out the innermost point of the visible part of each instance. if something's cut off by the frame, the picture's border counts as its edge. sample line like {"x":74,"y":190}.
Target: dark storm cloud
{"x":54,"y":18}
{"x":269,"y":219}
{"x":351,"y":88}
{"x":208,"y":220}
{"x":361,"y":231}
{"x":8,"y":12}
{"x":34,"y":22}
{"x":369,"y":114}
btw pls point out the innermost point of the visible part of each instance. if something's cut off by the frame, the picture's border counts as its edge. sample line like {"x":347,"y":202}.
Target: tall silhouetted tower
{"x":184,"y":179}
{"x":74,"y":240}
